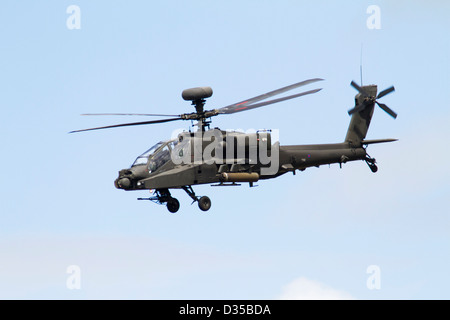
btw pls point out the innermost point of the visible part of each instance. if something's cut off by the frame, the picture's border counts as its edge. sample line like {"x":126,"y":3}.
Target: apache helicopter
{"x":221,"y":158}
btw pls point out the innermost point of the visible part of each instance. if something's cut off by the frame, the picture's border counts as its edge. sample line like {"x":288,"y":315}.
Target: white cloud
{"x":306,"y":289}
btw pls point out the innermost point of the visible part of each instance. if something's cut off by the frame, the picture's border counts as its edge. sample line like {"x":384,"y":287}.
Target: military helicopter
{"x":223,"y":158}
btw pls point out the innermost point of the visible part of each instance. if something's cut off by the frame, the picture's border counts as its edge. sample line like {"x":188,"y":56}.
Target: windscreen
{"x":143,"y":158}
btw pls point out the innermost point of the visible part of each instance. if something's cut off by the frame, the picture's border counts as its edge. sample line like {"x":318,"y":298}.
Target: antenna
{"x":360,"y":65}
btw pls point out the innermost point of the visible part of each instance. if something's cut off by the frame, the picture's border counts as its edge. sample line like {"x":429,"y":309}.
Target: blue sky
{"x":312,"y":235}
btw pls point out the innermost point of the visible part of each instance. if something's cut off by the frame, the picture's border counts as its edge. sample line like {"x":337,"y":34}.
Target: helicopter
{"x":229,"y":158}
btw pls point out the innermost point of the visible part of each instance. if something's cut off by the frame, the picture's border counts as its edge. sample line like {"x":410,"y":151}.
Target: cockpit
{"x":156,"y":156}
{"x":143,"y":158}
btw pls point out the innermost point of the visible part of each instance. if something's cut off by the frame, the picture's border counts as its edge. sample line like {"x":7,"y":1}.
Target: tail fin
{"x":360,"y":121}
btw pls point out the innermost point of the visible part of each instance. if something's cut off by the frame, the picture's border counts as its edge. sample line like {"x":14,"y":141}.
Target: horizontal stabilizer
{"x":366,"y":142}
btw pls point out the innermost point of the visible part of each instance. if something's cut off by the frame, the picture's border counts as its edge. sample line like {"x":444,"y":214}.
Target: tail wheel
{"x":173,"y":205}
{"x":204,"y":203}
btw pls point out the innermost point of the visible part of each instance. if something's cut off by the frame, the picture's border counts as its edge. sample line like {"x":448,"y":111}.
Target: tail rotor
{"x":369,"y":100}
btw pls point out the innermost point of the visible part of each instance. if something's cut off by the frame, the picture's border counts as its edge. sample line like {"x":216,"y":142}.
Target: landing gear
{"x":163,"y":196}
{"x":204,"y":203}
{"x":371,"y":163}
{"x":173,"y":205}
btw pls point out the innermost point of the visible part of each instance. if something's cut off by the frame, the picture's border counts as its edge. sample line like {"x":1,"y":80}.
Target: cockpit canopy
{"x":143,"y":158}
{"x":156,"y":156}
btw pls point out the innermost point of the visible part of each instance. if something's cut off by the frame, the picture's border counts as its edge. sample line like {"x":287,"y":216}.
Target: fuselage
{"x":230,"y":157}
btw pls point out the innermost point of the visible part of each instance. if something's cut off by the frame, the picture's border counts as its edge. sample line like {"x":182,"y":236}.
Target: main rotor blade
{"x":265,"y":103}
{"x":130,"y":114}
{"x":385,"y":92}
{"x":129,"y":124}
{"x":265,"y":96}
{"x":357,"y":87}
{"x":387,"y":109}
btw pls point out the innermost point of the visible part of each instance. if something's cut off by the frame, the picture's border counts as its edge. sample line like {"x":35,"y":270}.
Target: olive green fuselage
{"x":289,"y":159}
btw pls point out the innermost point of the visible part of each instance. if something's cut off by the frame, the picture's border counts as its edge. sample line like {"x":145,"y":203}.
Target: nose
{"x":123,"y":183}
{"x":124,"y":179}
{"x":128,"y":178}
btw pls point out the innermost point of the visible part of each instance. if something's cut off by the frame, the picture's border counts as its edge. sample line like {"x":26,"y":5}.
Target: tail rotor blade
{"x":369,"y":100}
{"x":385,"y":92}
{"x":359,"y":107}
{"x":387,"y":109}
{"x":357,"y":87}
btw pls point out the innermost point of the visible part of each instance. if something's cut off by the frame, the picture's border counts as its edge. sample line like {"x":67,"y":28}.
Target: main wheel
{"x":173,"y":205}
{"x":374,"y":168}
{"x":204,"y":203}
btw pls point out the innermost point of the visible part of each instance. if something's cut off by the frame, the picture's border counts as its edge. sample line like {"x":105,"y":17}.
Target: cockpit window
{"x":143,"y":158}
{"x":159,"y":159}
